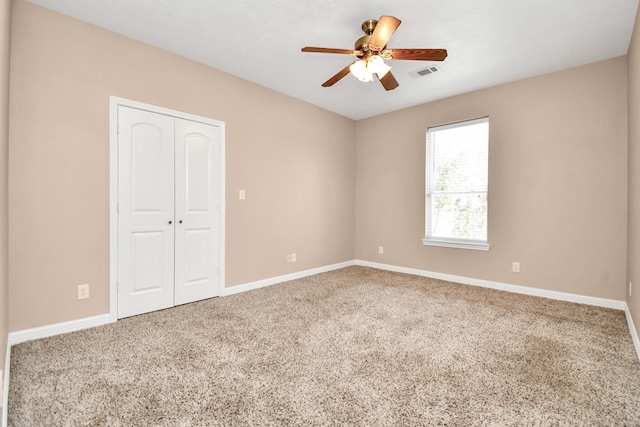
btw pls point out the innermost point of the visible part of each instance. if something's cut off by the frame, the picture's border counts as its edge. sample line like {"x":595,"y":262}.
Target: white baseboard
{"x":633,"y":331}
{"x":57,"y":329}
{"x":562,"y":296}
{"x":279,"y":279}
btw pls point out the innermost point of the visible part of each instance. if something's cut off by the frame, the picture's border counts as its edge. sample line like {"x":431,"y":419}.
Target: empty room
{"x":319,"y":213}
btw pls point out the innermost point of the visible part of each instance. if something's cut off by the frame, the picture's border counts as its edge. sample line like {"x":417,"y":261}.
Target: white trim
{"x":223,"y":224}
{"x":477,"y":246}
{"x":459,"y":124}
{"x":561,"y":296}
{"x":114,"y":103}
{"x":113,"y":209}
{"x":632,"y":330}
{"x":57,"y":329}
{"x":279,"y":279}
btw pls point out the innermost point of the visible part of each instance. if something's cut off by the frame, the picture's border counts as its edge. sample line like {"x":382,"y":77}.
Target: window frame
{"x":474,"y":244}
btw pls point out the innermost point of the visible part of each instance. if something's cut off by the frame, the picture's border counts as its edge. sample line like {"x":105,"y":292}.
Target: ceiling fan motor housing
{"x":363,"y":42}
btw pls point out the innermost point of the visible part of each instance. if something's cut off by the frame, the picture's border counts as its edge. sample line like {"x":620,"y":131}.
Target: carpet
{"x":356,"y":346}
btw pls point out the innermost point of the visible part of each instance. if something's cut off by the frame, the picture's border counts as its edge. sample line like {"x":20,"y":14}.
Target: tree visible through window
{"x":457,"y":184}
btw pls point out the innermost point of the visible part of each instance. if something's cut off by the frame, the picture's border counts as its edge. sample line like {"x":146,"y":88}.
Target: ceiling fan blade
{"x":331,"y":50}
{"x":388,"y":81}
{"x":385,"y":28}
{"x":340,"y":74}
{"x":418,"y":54}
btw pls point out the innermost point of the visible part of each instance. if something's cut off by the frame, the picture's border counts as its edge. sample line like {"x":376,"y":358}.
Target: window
{"x":457,"y":166}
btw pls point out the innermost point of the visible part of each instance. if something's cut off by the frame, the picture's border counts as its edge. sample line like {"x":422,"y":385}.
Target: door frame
{"x":114,"y":103}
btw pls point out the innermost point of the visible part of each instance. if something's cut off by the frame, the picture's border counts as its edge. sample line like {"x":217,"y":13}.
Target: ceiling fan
{"x":371,"y":51}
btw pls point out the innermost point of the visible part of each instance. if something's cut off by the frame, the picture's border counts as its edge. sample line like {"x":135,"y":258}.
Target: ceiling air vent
{"x":424,"y":71}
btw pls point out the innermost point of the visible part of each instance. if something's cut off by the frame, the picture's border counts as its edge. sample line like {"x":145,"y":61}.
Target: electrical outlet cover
{"x":83,"y":291}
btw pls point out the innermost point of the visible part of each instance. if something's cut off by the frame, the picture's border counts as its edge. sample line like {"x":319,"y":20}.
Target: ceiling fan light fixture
{"x":376,"y":65}
{"x":361,"y":71}
{"x":371,"y":51}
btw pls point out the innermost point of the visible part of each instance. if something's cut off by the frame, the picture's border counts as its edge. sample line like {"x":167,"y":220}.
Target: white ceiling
{"x":489,"y":41}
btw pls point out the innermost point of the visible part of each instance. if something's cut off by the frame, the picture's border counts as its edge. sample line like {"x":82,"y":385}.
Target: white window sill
{"x":477,"y":246}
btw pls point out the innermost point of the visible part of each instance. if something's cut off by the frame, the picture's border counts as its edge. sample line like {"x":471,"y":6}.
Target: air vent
{"x":424,"y":71}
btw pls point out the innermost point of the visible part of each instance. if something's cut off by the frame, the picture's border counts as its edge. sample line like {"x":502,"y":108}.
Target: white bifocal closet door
{"x":146,"y":212}
{"x":197,"y":211}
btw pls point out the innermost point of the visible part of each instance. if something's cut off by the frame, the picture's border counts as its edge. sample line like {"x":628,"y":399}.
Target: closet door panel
{"x":197,"y":207}
{"x":145,"y":211}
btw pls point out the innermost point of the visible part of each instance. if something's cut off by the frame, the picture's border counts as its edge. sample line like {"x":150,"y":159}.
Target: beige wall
{"x":294,"y":160}
{"x":633,"y":256}
{"x":5,"y":41}
{"x":558,"y":172}
{"x":557,"y":183}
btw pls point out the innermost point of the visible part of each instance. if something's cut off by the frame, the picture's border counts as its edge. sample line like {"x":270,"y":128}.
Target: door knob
{"x":180,"y":221}
{"x":170,"y":222}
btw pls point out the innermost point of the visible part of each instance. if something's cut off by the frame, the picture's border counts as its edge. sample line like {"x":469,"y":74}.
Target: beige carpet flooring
{"x":356,"y":346}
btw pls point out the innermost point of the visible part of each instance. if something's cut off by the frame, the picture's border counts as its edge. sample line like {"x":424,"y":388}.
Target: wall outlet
{"x":515,"y":267}
{"x":293,"y":258}
{"x":242,"y":195}
{"x":630,"y":287}
{"x":83,"y":291}
{"x":289,"y":258}
{"x":380,"y":250}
